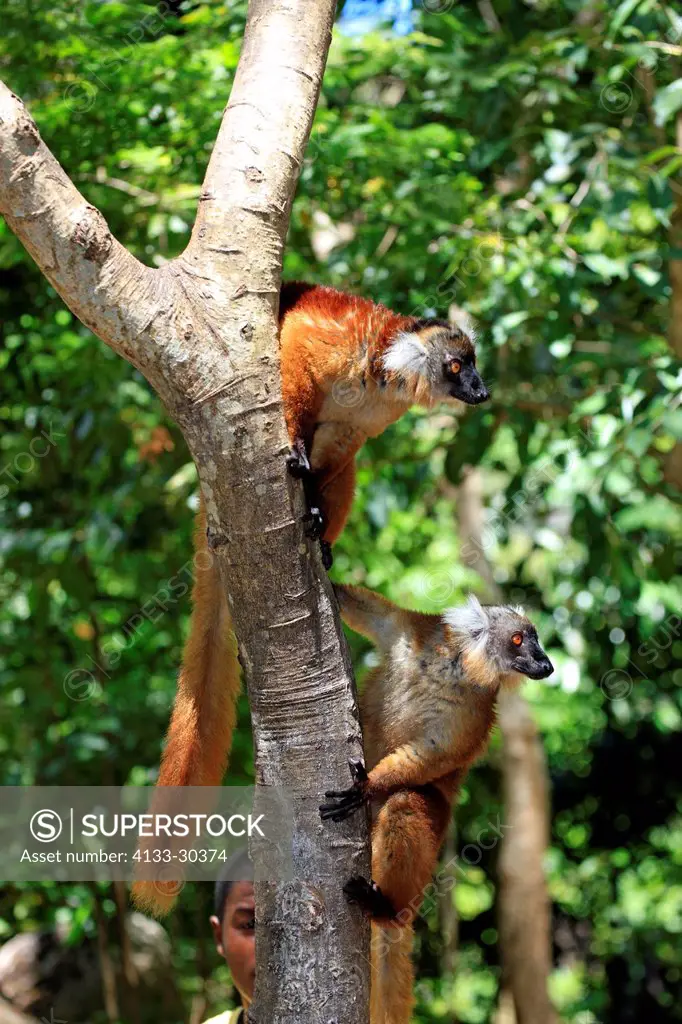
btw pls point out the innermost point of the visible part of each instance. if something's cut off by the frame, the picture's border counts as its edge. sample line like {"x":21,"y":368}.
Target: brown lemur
{"x":426,"y":714}
{"x":350,"y":367}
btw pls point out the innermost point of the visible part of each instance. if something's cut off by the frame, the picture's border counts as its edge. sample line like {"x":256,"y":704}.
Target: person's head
{"x":233,"y":923}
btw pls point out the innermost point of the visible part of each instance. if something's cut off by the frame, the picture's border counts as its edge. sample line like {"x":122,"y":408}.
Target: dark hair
{"x":238,"y":868}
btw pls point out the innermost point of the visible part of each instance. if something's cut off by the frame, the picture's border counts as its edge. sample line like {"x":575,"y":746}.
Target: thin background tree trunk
{"x":129,"y":977}
{"x":203,"y":330}
{"x":523,"y":901}
{"x":449,"y":918}
{"x":673,"y":465}
{"x":106,"y":964}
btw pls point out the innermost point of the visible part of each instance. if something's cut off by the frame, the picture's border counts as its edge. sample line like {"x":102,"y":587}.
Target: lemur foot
{"x":326,"y":552}
{"x":358,"y":771}
{"x":345,"y":801}
{"x":298,"y":463}
{"x":314,"y":523}
{"x":369,"y":898}
{"x":299,"y":466}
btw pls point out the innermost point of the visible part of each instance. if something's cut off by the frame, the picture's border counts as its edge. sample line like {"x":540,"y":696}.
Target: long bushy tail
{"x":204,"y":716}
{"x":392,"y":982}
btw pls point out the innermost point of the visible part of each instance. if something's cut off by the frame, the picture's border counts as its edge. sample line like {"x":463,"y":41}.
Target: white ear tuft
{"x":469,"y":619}
{"x":406,"y":354}
{"x":460,"y":318}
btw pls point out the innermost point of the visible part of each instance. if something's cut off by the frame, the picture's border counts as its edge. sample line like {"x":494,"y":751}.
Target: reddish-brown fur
{"x":335,"y":396}
{"x":331,"y":345}
{"x":426,"y":712}
{"x":407,"y":835}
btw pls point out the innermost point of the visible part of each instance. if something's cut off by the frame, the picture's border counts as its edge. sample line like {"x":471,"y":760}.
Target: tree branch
{"x":203,"y":330}
{"x":257,"y":157}
{"x":69,"y":239}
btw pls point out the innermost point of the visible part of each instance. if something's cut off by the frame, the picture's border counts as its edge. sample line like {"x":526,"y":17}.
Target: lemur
{"x":426,"y":714}
{"x":350,"y":367}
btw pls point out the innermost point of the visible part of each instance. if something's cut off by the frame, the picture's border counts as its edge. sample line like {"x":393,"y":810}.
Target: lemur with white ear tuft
{"x":350,"y":367}
{"x":426,"y":713}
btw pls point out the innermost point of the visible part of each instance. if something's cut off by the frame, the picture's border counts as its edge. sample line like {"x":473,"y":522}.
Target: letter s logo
{"x":46,"y":826}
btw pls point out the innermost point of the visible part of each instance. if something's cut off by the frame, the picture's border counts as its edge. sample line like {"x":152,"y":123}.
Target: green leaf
{"x":658,"y":513}
{"x":646,"y":274}
{"x":606,"y":267}
{"x":667,"y":102}
{"x":623,"y":12}
{"x":659,"y":154}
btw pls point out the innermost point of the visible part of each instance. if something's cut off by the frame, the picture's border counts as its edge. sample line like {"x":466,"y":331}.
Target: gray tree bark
{"x":203,"y":331}
{"x":524,"y":906}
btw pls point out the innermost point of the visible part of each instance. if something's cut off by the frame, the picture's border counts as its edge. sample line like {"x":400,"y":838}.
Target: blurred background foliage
{"x":517,"y":159}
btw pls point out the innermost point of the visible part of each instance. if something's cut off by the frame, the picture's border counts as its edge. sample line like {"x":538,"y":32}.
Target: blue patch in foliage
{"x":362,"y":16}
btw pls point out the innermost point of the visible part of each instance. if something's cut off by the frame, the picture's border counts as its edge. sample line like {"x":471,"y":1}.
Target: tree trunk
{"x":106,"y":964}
{"x":203,"y":330}
{"x":449,"y":919}
{"x":524,"y":909}
{"x":129,"y":977}
{"x":673,"y":463}
{"x":675,"y":265}
{"x":523,"y":900}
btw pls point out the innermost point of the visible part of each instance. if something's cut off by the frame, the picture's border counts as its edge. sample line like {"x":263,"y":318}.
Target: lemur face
{"x":515,"y":642}
{"x":501,"y":637}
{"x":437,"y":360}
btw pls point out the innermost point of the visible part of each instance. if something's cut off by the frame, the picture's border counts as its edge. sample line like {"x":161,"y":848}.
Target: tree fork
{"x":203,"y":331}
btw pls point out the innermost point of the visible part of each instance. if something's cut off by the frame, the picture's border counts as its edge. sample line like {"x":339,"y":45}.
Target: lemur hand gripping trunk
{"x":426,"y":713}
{"x":350,"y":367}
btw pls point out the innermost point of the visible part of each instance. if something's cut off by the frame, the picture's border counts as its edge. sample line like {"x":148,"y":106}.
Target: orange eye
{"x":517,"y":639}
{"x":455,"y":366}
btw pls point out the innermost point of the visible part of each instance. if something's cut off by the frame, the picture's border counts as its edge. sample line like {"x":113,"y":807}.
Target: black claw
{"x":346,"y":800}
{"x":298,"y":463}
{"x":357,"y":770}
{"x":341,"y":810}
{"x":315,"y":523}
{"x":299,"y":466}
{"x":343,"y":804}
{"x":370,"y":897}
{"x":326,"y":552}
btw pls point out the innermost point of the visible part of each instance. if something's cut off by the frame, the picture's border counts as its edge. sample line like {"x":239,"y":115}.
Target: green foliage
{"x":528,"y":174}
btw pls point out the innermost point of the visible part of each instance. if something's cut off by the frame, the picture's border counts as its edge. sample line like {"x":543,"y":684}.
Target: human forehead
{"x":240,"y":894}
